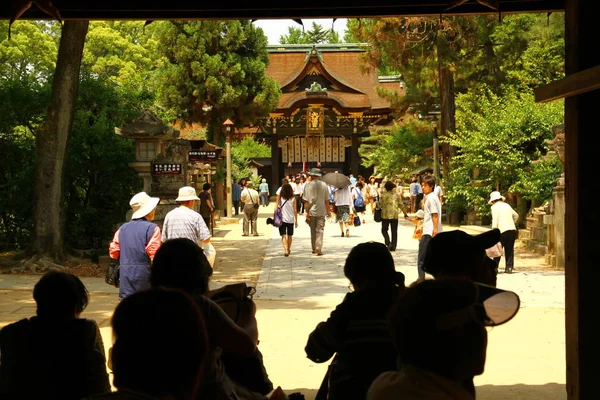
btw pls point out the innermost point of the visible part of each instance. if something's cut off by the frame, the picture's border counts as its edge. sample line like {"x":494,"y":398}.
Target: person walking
{"x":289,"y":214}
{"x":390,"y":203}
{"x":135,"y":243}
{"x":263,"y":188}
{"x":372,"y":193}
{"x":183,"y":221}
{"x":316,"y":198}
{"x":300,"y":203}
{"x":414,"y":189}
{"x":432,"y":222}
{"x":298,"y":188}
{"x":207,"y":206}
{"x":236,"y":196}
{"x":251,"y":201}
{"x":358,"y":199}
{"x":342,"y":198}
{"x":504,"y":217}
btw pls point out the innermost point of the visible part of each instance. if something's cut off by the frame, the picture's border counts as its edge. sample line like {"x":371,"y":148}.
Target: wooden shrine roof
{"x":341,"y":62}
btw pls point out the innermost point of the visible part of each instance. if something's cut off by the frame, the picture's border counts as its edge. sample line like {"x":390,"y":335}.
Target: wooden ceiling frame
{"x":266,"y":9}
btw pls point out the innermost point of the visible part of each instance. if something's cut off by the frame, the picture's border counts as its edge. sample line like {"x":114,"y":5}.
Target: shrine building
{"x":327,"y":105}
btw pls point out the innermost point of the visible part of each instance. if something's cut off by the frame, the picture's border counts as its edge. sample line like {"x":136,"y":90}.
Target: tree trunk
{"x":448,"y":111}
{"x":51,"y":145}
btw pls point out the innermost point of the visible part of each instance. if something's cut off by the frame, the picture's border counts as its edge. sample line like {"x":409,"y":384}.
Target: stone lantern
{"x":150,"y":135}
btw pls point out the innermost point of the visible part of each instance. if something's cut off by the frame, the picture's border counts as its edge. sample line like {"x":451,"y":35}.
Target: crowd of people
{"x":385,"y":340}
{"x":171,"y":341}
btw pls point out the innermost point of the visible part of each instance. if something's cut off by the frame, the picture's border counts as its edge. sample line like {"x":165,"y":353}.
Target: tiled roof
{"x":342,"y":65}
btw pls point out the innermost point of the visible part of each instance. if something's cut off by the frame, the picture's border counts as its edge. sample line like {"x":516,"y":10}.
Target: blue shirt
{"x":264,"y":187}
{"x":236,"y":192}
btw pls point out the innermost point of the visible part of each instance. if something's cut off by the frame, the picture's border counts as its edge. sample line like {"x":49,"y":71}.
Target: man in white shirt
{"x":184,"y":222}
{"x":432,"y":221}
{"x":251,"y":201}
{"x":504,"y":218}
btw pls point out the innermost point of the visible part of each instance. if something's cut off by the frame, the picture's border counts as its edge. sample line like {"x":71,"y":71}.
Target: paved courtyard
{"x":525,"y":357}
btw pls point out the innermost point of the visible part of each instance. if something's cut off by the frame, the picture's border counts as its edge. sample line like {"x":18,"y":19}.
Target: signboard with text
{"x":203,"y":155}
{"x":166,"y":169}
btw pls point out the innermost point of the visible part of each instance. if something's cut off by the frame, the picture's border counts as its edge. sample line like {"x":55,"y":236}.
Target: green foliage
{"x":499,"y":140}
{"x":30,"y":53}
{"x":242,"y":151}
{"x":400,"y":150}
{"x":317,"y":34}
{"x":536,"y":184}
{"x":117,"y":51}
{"x":220,"y":62}
{"x":24,"y":106}
{"x":99,"y":181}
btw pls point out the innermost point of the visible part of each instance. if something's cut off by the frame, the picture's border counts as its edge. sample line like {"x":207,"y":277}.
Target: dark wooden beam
{"x":577,"y":83}
{"x":267,"y":9}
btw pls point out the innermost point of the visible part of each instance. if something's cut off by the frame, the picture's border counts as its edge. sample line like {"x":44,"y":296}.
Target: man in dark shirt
{"x":206,"y":205}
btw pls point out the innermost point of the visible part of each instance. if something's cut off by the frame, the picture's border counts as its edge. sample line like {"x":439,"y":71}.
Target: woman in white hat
{"x":504,"y":218}
{"x":135,"y":244}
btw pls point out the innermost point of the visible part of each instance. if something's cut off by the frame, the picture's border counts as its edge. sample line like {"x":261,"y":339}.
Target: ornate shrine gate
{"x":327,"y":105}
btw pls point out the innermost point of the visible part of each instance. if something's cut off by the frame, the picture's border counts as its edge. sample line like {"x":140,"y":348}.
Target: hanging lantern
{"x":319,"y":164}
{"x":289,"y":164}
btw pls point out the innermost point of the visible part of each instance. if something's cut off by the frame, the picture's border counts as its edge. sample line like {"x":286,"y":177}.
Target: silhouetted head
{"x":456,"y":254}
{"x":437,"y":328}
{"x":160,"y":344}
{"x":371,"y":265}
{"x":60,"y":295}
{"x":181,"y":264}
{"x":389,"y":186}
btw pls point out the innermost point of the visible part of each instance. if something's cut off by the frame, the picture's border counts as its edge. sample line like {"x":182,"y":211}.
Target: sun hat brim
{"x":146,"y":209}
{"x":187,"y":198}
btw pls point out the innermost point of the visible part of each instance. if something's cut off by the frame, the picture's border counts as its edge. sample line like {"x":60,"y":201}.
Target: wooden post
{"x":275,"y":164}
{"x":355,"y":157}
{"x":582,"y":274}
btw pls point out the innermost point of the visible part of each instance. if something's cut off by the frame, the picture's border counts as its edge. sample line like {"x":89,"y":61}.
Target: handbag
{"x":235,"y":299}
{"x":377,"y":213}
{"x":495,"y":251}
{"x":356,"y":220}
{"x":112,"y":273}
{"x":278,"y":215}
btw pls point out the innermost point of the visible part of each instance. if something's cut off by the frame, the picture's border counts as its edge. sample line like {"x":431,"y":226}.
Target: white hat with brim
{"x":187,"y":193}
{"x":142,"y":205}
{"x":494,"y":196}
{"x":419,"y":214}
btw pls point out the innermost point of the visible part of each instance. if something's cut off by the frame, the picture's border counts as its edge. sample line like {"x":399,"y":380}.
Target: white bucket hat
{"x":496,"y":196}
{"x":187,"y":193}
{"x":142,"y":204}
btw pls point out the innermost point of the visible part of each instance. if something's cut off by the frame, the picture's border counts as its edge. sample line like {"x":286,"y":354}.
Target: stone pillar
{"x":558,"y":199}
{"x":275,"y":164}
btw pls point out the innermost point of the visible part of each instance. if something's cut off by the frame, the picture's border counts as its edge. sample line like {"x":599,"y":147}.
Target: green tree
{"x":218,"y":62}
{"x":118,"y":51}
{"x":31,"y":51}
{"x":501,"y":140}
{"x":242,"y":151}
{"x":399,"y":150}
{"x":317,"y":34}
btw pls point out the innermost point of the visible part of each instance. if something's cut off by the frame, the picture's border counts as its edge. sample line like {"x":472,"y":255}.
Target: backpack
{"x":359,"y":202}
{"x":416,"y":189}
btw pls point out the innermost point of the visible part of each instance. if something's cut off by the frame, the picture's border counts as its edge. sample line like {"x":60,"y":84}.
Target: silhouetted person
{"x":357,"y":330}
{"x":456,"y":254}
{"x":56,"y":354}
{"x":160,"y":346}
{"x":439,"y":329}
{"x":180,"y":264}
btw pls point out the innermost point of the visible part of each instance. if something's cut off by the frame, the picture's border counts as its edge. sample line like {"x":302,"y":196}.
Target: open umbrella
{"x":337,"y":180}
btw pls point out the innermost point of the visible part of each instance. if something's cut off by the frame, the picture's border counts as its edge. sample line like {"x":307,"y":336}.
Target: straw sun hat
{"x":142,"y":204}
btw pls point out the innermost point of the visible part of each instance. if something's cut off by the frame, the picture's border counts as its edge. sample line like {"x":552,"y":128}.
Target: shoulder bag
{"x":278,"y":216}
{"x":377,"y":213}
{"x":112,"y":273}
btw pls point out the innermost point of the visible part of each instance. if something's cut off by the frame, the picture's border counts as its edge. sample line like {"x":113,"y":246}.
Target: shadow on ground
{"x":550,"y":391}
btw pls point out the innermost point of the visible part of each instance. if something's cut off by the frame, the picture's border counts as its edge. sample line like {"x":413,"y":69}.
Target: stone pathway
{"x":304,"y":276}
